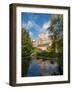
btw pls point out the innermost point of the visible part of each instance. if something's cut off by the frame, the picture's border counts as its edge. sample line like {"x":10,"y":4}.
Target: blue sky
{"x":35,"y":23}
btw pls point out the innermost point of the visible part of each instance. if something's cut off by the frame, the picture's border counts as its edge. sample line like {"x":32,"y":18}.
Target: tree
{"x":26,"y":44}
{"x":26,"y":51}
{"x":56,"y":28}
{"x":56,"y":34}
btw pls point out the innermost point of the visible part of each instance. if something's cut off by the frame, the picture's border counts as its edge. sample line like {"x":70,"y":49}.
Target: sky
{"x":35,"y":23}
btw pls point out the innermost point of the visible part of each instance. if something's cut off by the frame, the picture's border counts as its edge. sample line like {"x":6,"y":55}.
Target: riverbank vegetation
{"x":54,"y":50}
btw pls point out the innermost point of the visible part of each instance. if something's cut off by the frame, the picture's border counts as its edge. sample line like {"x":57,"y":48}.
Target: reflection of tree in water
{"x":44,"y":68}
{"x":55,"y":49}
{"x":52,"y":68}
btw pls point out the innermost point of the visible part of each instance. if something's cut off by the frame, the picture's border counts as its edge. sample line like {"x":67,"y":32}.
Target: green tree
{"x":26,"y":50}
{"x":26,"y":43}
{"x":56,"y":32}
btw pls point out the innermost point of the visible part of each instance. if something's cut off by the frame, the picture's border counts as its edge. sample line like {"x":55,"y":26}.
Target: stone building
{"x":42,"y":41}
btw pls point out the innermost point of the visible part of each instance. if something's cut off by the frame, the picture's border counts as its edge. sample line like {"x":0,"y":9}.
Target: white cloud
{"x":27,"y":25}
{"x":24,"y":25}
{"x":30,"y":33}
{"x":46,"y":25}
{"x":31,"y":24}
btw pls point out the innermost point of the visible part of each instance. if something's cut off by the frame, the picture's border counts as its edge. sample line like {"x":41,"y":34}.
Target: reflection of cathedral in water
{"x":42,"y":41}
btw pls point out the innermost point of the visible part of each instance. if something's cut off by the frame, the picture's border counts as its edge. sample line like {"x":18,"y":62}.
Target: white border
{"x":20,"y":79}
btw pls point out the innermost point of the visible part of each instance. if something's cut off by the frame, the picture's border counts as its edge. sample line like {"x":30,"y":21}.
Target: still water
{"x":45,"y":68}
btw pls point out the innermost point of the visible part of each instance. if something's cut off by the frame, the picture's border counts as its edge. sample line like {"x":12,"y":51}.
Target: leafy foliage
{"x":26,"y":44}
{"x":55,"y":49}
{"x":26,"y":51}
{"x":35,"y":52}
{"x":56,"y":28}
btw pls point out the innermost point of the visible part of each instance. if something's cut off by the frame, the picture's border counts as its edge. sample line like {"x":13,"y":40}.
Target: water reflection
{"x":44,"y":68}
